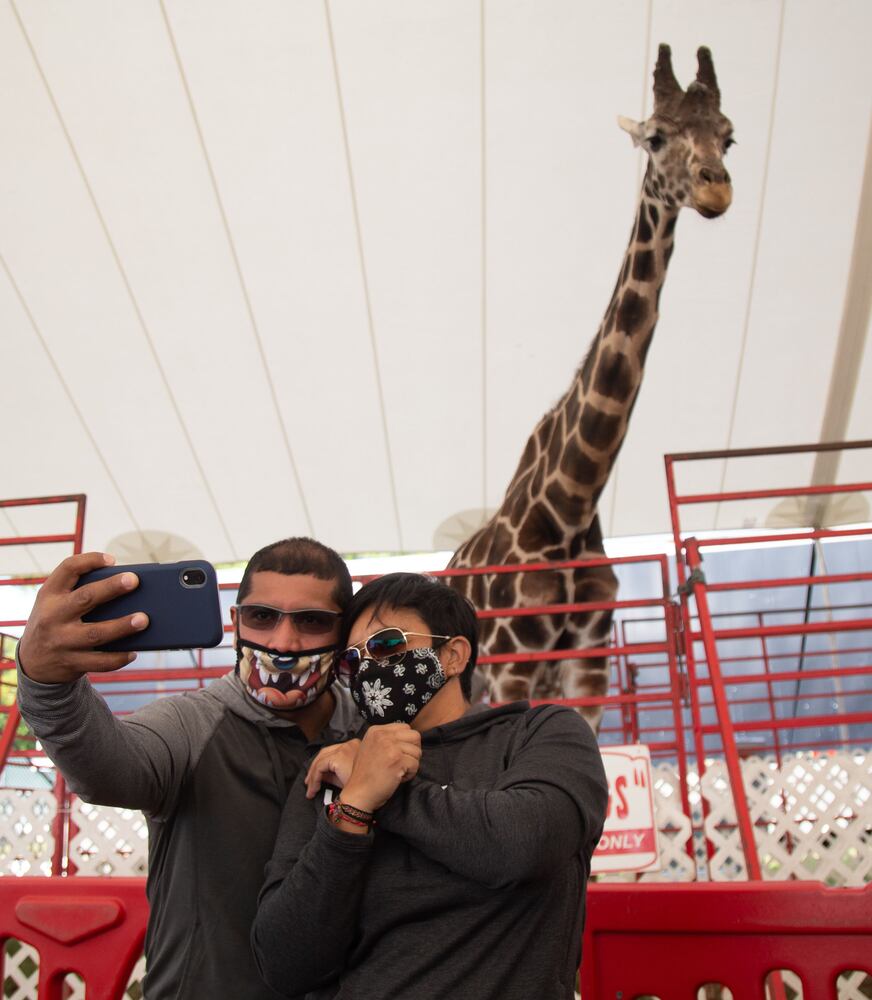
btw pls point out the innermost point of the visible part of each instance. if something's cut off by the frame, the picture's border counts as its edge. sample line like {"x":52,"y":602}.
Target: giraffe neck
{"x":569,"y":456}
{"x":599,"y":402}
{"x":549,"y":507}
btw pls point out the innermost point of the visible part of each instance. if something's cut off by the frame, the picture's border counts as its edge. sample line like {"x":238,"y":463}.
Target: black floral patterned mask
{"x":386,"y":691}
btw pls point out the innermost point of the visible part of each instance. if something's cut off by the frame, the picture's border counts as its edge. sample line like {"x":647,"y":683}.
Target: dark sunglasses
{"x":388,"y":644}
{"x":308,"y":621}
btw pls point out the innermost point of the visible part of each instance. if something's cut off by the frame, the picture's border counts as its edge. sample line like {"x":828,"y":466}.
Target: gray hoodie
{"x":471,"y":885}
{"x":211,"y":770}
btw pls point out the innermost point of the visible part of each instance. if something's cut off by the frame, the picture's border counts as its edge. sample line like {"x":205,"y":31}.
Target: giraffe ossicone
{"x":549,"y":512}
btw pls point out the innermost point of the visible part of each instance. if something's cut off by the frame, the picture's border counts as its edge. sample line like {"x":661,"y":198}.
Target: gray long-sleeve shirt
{"x":472,"y":884}
{"x":211,"y":770}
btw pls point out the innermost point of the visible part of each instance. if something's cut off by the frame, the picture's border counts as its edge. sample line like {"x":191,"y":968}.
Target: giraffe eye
{"x":655,"y":142}
{"x":729,"y":141}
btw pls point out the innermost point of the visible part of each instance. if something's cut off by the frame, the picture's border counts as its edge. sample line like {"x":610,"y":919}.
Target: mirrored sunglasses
{"x":307,"y":621}
{"x":389,"y":644}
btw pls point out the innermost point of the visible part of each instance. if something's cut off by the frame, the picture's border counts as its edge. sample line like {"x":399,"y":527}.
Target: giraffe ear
{"x":633,"y":129}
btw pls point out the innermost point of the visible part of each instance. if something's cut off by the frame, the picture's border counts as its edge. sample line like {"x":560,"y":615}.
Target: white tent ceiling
{"x":318,"y":267}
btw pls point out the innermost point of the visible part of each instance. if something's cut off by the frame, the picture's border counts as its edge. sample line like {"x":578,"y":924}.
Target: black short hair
{"x":302,"y":556}
{"x":444,"y":610}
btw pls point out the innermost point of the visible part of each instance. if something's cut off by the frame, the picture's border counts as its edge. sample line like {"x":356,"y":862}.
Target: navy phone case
{"x":180,"y":616}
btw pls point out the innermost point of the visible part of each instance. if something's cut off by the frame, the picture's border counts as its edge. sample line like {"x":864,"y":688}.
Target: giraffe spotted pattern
{"x":549,"y":512}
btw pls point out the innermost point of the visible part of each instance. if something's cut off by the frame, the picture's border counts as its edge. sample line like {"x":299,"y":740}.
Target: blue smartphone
{"x":180,"y":599}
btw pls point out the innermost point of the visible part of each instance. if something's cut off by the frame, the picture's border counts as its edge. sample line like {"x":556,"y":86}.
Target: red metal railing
{"x":664,"y":698}
{"x":9,"y":712}
{"x":625,"y":699}
{"x":73,"y":537}
{"x":662,"y":687}
{"x":680,"y":658}
{"x":704,"y":642}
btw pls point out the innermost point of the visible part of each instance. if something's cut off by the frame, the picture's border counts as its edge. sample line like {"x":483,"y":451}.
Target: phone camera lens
{"x":193,"y":577}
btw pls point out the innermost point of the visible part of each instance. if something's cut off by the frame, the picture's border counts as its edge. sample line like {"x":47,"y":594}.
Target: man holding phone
{"x":211,"y":768}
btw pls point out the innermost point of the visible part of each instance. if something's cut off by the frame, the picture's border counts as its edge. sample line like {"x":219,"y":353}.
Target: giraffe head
{"x":686,"y":139}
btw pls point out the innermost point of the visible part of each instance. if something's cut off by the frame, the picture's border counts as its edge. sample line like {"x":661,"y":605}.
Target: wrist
{"x":350,"y":818}
{"x":357,"y":796}
{"x":32,"y":674}
{"x":19,"y":659}
{"x":47,"y":678}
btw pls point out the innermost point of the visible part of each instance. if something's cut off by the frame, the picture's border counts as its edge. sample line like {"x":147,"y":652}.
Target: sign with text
{"x":629,"y":840}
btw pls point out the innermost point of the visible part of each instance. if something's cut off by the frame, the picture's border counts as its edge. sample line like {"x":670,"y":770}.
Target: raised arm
{"x":137,"y":762}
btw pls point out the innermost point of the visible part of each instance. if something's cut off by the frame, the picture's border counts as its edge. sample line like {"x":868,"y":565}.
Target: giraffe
{"x":549,"y":512}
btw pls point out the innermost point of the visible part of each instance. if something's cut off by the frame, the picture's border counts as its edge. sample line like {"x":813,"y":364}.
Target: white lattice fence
{"x":108,"y":841}
{"x":21,"y":975}
{"x":849,"y":986}
{"x":854,"y":986}
{"x":674,"y":831}
{"x":26,"y":841}
{"x":812,"y":818}
{"x":674,"y":828}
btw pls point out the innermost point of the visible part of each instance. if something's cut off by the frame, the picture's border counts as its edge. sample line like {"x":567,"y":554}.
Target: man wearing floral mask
{"x":446,"y":854}
{"x":210,"y":768}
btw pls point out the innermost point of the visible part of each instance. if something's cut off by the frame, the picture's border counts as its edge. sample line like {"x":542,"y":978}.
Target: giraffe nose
{"x":714,"y":175}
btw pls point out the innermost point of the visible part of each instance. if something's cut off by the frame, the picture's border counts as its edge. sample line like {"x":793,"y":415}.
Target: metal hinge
{"x":697,"y":576}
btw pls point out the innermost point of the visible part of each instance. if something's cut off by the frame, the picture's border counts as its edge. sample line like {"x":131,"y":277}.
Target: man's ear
{"x":233,"y":615}
{"x":632,"y":128}
{"x":454,"y":656}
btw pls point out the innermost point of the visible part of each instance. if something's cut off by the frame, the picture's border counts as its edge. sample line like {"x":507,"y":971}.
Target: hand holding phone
{"x":180,"y":599}
{"x":58,"y":645}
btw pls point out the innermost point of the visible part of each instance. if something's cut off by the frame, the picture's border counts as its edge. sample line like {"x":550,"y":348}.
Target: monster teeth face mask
{"x":386,"y":691}
{"x":271,"y":676}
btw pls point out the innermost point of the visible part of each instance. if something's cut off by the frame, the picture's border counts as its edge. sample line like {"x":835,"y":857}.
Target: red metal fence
{"x":707,"y":644}
{"x":694,"y":681}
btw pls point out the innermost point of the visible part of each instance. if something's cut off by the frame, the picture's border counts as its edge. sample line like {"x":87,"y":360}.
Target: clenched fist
{"x":387,"y":756}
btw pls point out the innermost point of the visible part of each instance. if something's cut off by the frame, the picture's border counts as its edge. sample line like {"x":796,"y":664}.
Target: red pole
{"x":728,"y":736}
{"x":80,"y":524}
{"x":59,"y":824}
{"x":672,"y":620}
{"x":13,"y":717}
{"x":683,"y":620}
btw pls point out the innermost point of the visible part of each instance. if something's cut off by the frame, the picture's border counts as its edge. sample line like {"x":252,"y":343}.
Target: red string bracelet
{"x":338,"y":811}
